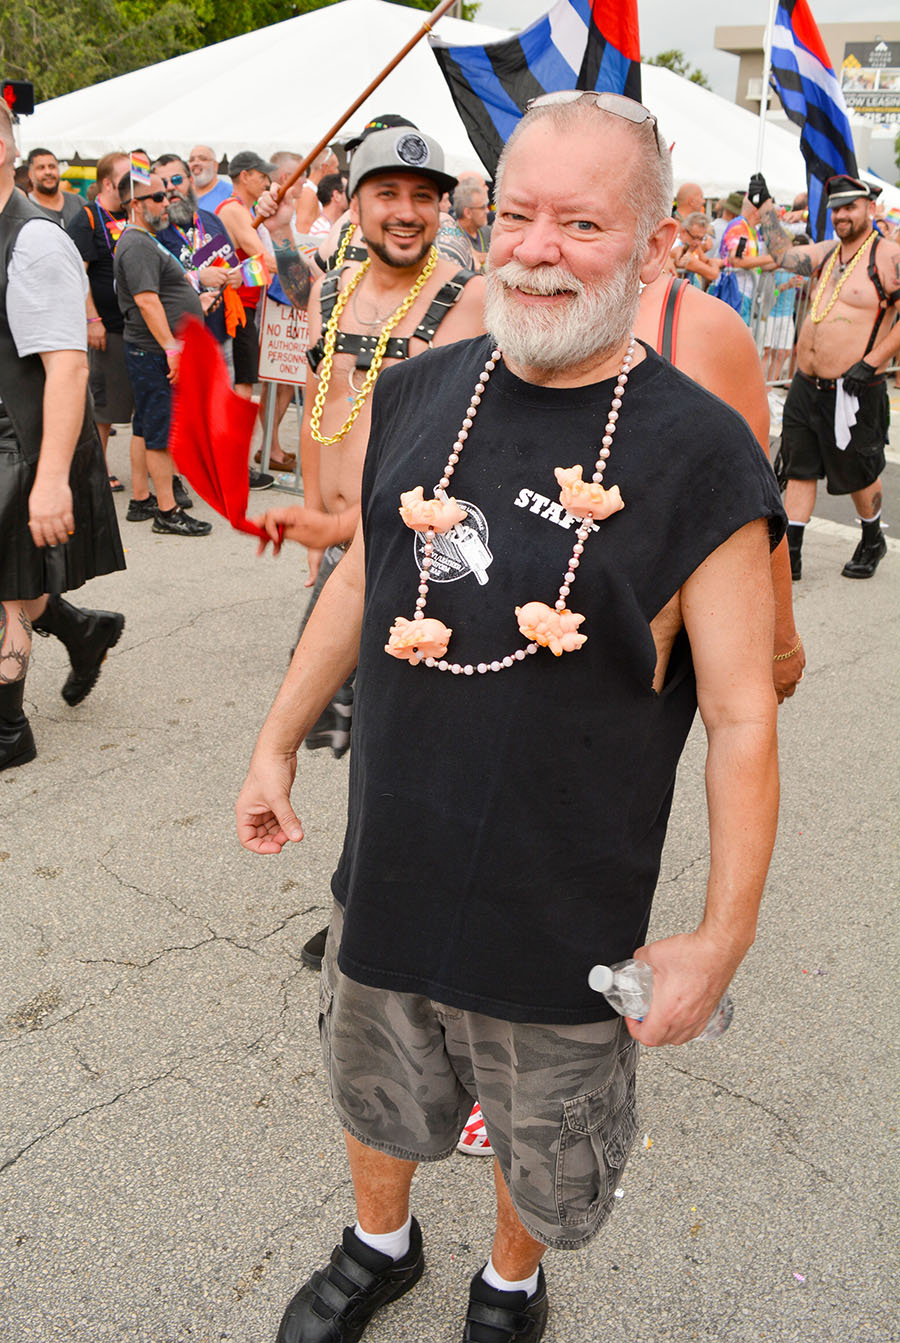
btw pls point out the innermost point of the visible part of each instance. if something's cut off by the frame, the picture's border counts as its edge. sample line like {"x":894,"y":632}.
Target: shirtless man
{"x":845,"y":344}
{"x":716,"y":349}
{"x":395,"y":204}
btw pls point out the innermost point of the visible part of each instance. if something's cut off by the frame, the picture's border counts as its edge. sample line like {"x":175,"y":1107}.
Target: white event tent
{"x":283,"y":86}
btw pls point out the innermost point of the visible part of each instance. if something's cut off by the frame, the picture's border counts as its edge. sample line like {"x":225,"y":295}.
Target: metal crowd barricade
{"x":776,"y":337}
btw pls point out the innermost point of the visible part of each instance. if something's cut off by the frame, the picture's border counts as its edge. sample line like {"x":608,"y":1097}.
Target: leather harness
{"x":362,"y":346}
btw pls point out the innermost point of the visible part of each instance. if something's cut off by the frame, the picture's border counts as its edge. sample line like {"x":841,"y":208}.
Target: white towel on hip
{"x":845,"y":408}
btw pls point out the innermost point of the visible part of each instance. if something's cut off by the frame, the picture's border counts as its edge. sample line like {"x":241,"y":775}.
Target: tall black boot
{"x":871,"y":550}
{"x":88,"y":637}
{"x":795,"y":532}
{"x":16,"y":740}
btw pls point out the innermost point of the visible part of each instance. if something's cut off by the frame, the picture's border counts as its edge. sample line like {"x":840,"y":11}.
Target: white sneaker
{"x":473,"y":1140}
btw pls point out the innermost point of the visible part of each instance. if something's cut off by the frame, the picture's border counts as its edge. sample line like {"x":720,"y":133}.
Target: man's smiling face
{"x":399,"y":216}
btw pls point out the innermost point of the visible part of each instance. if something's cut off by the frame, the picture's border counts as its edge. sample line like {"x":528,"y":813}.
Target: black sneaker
{"x":505,"y":1317}
{"x":177,"y":523}
{"x":313,"y":950}
{"x":337,"y":1302}
{"x":141,"y":510}
{"x":865,"y":559}
{"x":182,"y":498}
{"x":260,"y":480}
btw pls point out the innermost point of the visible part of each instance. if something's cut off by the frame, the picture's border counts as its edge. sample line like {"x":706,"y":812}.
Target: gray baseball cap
{"x":248,"y":161}
{"x":402,"y":149}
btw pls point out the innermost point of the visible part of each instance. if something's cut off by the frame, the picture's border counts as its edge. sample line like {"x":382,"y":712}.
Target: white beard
{"x":594,"y":322}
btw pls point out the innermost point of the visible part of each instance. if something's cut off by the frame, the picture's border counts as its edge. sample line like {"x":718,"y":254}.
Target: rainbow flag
{"x":140,"y":168}
{"x":254,"y":272}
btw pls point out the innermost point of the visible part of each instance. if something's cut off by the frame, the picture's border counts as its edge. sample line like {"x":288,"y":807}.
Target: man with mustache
{"x":211,"y":189}
{"x":507,"y":806}
{"x":154,"y":295}
{"x":396,"y":179}
{"x":43,"y":173}
{"x":95,"y":231}
{"x":189,"y":231}
{"x":836,"y":413}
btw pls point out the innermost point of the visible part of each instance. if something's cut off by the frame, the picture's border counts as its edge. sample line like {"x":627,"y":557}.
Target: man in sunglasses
{"x":836,"y":414}
{"x":154,"y":295}
{"x":507,"y":806}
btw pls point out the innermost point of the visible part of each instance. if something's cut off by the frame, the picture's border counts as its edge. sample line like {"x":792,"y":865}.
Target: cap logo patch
{"x":412,"y":150}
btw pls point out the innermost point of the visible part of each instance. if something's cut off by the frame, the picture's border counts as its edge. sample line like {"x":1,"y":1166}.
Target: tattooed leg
{"x":868,"y":501}
{"x":15,"y":642}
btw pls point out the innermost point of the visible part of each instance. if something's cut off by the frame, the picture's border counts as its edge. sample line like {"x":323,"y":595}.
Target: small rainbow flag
{"x":254,"y":272}
{"x":140,"y":168}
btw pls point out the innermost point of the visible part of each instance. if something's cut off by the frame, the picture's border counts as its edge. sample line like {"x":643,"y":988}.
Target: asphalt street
{"x":170,"y":1169}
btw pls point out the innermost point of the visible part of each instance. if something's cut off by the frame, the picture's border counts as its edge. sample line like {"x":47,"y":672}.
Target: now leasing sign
{"x":284,"y":340}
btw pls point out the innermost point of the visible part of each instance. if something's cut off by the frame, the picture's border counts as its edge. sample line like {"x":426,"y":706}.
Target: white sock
{"x":493,"y":1279}
{"x":394,"y":1243}
{"x":792,"y":523}
{"x":872,"y":519}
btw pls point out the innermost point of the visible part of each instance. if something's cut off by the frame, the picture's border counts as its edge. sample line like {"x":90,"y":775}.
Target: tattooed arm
{"x":800,"y":260}
{"x":293,"y":272}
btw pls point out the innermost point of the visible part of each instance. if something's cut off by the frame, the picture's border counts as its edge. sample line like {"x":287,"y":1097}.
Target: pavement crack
{"x":81,"y":1114}
{"x":335,"y":1189}
{"x":667,"y":881}
{"x":189,"y":624}
{"x":148,"y":895}
{"x":789,"y":1135}
{"x":297,"y":914}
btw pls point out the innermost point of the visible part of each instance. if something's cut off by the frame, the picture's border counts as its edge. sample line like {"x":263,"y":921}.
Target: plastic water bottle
{"x":628,"y":988}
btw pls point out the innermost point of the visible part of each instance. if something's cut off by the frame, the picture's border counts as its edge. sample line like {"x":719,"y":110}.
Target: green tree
{"x":62,"y":45}
{"x":677,"y":62}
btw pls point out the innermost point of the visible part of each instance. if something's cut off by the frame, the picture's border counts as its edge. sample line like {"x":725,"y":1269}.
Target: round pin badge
{"x":412,"y":150}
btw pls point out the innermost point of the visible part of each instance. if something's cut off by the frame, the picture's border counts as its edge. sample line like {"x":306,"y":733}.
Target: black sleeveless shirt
{"x":505,"y":830}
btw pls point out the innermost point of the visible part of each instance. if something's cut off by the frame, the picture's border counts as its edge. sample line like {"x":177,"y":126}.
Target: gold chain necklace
{"x":826,"y":276}
{"x":331,"y":331}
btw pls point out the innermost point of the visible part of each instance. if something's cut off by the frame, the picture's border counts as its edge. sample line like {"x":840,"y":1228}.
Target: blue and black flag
{"x":812,"y":98}
{"x":580,"y":44}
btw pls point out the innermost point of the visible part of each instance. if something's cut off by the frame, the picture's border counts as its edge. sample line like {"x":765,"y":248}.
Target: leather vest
{"x":22,"y":380}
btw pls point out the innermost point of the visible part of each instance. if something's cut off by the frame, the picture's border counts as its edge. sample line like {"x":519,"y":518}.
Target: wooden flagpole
{"x":427,"y":26}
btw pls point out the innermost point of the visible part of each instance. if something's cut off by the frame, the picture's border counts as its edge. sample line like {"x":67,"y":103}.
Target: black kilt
{"x":28,"y":571}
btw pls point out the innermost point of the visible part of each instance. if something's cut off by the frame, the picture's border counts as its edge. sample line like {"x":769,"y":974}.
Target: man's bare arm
{"x":50,"y":517}
{"x":727,"y":606}
{"x":293,"y":272}
{"x":322,"y":661}
{"x":800,"y":260}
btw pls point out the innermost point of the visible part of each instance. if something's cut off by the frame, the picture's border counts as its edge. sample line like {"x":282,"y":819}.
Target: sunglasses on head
{"x":175,"y":181}
{"x":614,"y":103}
{"x":158,"y":196}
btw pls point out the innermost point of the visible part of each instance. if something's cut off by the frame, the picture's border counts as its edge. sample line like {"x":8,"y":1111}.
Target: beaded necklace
{"x":814,"y":316}
{"x":331,"y":330}
{"x":424,"y":639}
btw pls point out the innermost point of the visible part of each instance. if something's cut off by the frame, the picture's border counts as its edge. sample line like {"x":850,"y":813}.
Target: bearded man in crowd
{"x":506,"y":820}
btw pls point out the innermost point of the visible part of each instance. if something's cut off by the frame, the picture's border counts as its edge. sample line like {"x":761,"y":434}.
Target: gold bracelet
{"x":783,"y":657}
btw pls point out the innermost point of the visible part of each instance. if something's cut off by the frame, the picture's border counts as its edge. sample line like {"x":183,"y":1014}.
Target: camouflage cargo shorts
{"x":558,"y":1101}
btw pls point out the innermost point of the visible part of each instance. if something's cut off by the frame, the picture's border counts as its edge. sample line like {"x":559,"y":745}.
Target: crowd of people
{"x":582,"y":303}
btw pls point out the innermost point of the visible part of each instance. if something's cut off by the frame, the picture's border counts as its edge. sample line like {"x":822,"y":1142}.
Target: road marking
{"x":844,"y":530}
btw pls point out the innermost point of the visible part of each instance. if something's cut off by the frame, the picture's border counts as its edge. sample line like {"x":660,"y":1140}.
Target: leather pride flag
{"x":579,"y":44}
{"x":812,"y":98}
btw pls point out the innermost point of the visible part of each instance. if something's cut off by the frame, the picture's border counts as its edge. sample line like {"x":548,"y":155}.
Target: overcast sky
{"x":690,"y":25}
